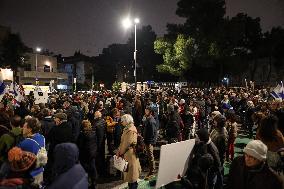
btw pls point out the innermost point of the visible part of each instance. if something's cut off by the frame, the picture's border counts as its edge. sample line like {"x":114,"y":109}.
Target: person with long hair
{"x":272,"y":137}
{"x":87,"y":144}
{"x":219,"y":136}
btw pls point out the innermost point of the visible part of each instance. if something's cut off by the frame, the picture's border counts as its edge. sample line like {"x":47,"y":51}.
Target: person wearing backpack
{"x":150,"y":138}
{"x":34,"y":143}
{"x":10,"y":139}
{"x":204,"y":164}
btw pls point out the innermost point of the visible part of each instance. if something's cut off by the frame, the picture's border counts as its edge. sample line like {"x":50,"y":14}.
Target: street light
{"x":127,"y":23}
{"x":38,"y":50}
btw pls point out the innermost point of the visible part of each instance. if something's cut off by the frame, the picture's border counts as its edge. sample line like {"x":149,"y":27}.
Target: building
{"x":79,"y":69}
{"x":41,"y":67}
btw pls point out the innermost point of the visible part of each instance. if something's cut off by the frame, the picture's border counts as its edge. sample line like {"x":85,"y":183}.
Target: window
{"x":46,"y":68}
{"x":28,"y":67}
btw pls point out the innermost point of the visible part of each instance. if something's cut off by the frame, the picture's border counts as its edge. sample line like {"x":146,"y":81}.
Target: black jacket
{"x":262,"y":177}
{"x":74,"y":121}
{"x":67,"y":172}
{"x":46,"y":124}
{"x":59,"y":134}
{"x":150,"y":131}
{"x":100,"y":128}
{"x":87,"y":144}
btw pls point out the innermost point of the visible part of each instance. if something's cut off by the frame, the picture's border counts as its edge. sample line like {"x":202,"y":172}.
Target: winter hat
{"x":182,"y":101}
{"x":203,"y":135}
{"x":61,"y":116}
{"x":20,"y":160}
{"x":256,"y":149}
{"x":215,"y":113}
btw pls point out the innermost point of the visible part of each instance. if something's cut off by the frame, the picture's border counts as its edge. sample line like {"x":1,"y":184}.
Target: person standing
{"x":60,"y":133}
{"x":126,"y":150}
{"x":100,"y":128}
{"x":87,"y":144}
{"x":150,"y":139}
{"x":251,"y":171}
{"x":33,"y":142}
{"x":67,"y":171}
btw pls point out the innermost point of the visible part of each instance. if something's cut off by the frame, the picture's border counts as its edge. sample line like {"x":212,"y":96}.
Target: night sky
{"x":63,"y":26}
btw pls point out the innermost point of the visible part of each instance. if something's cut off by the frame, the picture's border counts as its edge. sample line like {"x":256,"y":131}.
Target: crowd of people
{"x":66,"y":142}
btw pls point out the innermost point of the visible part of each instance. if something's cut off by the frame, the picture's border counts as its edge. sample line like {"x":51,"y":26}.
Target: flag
{"x":12,"y":89}
{"x":19,"y":94}
{"x":278,"y":92}
{"x":2,"y":84}
{"x":51,"y":86}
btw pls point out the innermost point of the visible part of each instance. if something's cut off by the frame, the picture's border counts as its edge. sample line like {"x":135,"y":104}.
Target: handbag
{"x":120,"y":163}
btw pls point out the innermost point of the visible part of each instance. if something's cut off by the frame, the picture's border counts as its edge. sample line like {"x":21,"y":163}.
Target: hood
{"x":65,"y":157}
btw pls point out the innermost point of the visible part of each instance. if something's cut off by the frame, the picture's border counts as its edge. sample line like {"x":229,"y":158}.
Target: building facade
{"x":42,"y":68}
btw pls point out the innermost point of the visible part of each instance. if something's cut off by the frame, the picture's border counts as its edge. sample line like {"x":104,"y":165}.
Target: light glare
{"x":136,"y":20}
{"x":126,"y":23}
{"x":38,"y":49}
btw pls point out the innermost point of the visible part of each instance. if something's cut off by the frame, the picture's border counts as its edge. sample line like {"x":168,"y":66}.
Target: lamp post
{"x":38,"y":50}
{"x":127,"y":24}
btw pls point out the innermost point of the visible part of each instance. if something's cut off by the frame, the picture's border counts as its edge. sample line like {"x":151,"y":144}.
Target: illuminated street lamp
{"x":127,"y":23}
{"x":38,"y":50}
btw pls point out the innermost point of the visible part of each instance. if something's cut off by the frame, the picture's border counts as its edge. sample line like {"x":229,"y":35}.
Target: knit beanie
{"x":20,"y":160}
{"x":256,"y":149}
{"x":203,"y":135}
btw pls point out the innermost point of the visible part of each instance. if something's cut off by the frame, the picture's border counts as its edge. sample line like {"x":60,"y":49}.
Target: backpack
{"x":17,"y":138}
{"x":200,"y":165}
{"x":139,"y":147}
{"x":41,"y":156}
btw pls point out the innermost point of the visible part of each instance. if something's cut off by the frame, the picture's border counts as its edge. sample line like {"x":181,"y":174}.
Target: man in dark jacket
{"x":204,"y":165}
{"x":150,"y":138}
{"x":67,"y":172}
{"x":100,"y":128}
{"x":73,"y":119}
{"x":60,"y":133}
{"x":251,"y":171}
{"x":47,"y":122}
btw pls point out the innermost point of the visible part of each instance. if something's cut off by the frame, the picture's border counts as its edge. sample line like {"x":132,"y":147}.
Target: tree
{"x":13,"y":52}
{"x":274,"y":45}
{"x":204,"y":18}
{"x":178,"y":55}
{"x":245,"y":35}
{"x":204,"y":23}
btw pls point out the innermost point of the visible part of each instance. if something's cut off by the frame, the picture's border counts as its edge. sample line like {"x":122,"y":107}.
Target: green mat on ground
{"x":240,"y":143}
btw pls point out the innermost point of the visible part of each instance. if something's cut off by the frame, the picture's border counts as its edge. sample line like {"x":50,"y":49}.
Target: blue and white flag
{"x":18,"y":95}
{"x":2,"y":85}
{"x":278,"y":92}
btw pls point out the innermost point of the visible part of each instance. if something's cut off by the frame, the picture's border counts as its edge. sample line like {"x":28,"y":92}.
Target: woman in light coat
{"x":125,"y":150}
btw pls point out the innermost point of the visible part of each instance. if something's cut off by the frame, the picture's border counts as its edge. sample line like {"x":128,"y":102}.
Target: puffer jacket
{"x":67,"y":172}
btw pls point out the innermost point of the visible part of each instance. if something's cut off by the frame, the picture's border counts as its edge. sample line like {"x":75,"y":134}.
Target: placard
{"x":173,"y":161}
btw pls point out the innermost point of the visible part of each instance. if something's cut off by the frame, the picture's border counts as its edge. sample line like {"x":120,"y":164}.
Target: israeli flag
{"x":278,"y":92}
{"x":2,"y":85}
